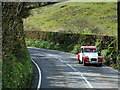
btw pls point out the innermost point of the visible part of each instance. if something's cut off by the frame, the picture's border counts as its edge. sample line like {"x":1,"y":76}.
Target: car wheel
{"x":85,"y":64}
{"x":79,"y":61}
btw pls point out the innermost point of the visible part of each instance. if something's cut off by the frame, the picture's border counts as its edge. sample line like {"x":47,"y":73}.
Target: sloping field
{"x":74,"y":17}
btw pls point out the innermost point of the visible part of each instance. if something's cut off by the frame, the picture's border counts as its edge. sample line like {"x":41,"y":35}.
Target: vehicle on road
{"x":89,"y":55}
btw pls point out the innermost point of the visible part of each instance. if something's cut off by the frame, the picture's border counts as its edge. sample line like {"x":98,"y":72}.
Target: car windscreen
{"x":90,"y":50}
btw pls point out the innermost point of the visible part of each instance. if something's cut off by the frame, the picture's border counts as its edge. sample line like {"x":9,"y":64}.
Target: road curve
{"x":61,"y":70}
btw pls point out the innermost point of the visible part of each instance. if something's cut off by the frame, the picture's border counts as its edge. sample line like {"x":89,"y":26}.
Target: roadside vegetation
{"x":0,"y":73}
{"x":74,"y":17}
{"x":17,"y":67}
{"x":17,"y":71}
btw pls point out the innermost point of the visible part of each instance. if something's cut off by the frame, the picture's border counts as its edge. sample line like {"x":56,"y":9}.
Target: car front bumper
{"x":93,"y":62}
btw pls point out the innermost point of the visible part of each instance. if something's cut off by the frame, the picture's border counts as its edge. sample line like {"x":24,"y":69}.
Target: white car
{"x":89,"y":55}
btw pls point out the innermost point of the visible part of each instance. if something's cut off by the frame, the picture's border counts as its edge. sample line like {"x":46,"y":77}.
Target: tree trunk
{"x":118,"y":5}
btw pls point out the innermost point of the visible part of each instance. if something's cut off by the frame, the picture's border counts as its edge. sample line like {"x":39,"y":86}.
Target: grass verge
{"x":17,"y":73}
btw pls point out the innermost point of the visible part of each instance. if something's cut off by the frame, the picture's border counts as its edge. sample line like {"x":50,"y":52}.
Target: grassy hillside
{"x":75,"y":17}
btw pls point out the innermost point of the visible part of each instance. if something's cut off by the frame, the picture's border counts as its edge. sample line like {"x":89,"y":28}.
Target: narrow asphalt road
{"x":61,"y":70}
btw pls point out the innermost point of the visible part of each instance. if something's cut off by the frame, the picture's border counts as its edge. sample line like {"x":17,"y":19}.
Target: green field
{"x":74,"y":17}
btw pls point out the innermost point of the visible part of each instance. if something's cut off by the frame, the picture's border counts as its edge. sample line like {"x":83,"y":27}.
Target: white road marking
{"x":71,"y":67}
{"x":60,"y":60}
{"x":39,"y":82}
{"x":86,"y":81}
{"x":80,"y":74}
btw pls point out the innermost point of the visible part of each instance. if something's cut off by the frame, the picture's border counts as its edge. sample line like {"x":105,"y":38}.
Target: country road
{"x":61,"y":70}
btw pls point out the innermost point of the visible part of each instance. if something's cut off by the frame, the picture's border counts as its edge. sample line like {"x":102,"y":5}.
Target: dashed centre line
{"x":71,"y":67}
{"x":80,"y":74}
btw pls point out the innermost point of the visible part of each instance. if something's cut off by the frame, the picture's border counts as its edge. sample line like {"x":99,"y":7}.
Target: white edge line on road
{"x":39,"y":82}
{"x":81,"y":76}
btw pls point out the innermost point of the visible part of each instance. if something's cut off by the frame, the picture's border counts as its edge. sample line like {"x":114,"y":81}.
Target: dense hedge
{"x":69,"y":38}
{"x":17,"y":67}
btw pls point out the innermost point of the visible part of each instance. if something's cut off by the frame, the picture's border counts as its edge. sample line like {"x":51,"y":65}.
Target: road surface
{"x":61,"y":70}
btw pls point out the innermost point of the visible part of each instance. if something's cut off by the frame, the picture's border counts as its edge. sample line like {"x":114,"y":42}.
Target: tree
{"x":15,"y":55}
{"x":118,"y":57}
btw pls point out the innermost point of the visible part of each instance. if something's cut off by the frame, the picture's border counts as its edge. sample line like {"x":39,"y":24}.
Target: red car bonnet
{"x":88,"y":47}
